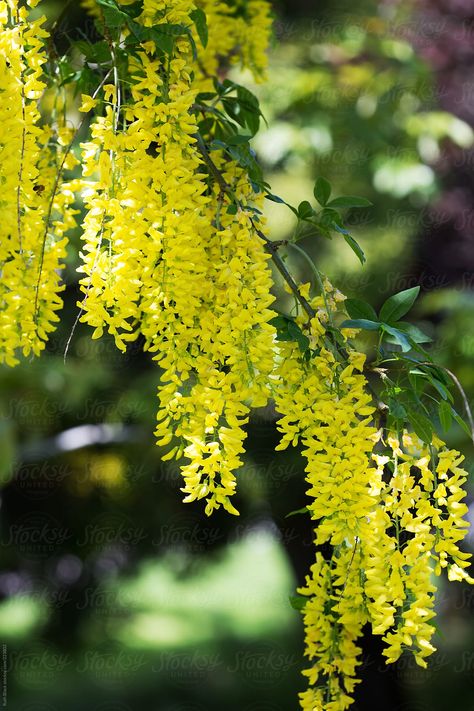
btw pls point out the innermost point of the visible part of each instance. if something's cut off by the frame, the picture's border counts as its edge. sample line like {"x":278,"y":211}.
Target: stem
{"x":271,"y":247}
{"x":316,"y":273}
{"x":467,"y":407}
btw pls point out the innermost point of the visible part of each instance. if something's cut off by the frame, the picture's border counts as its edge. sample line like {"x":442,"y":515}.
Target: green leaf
{"x":414,"y":332}
{"x":280,"y":322}
{"x":461,"y":422}
{"x":422,"y":425}
{"x":250,"y":108}
{"x":349,"y":201}
{"x":163,"y":35}
{"x":364,"y":323}
{"x":305,"y":211}
{"x":322,"y":191}
{"x":98,"y":52}
{"x":113,"y":16}
{"x":198,"y":16}
{"x":440,"y":387}
{"x":238,"y":139}
{"x":356,"y":248}
{"x":275,"y":198}
{"x":298,"y":602}
{"x":304,"y":510}
{"x":297,"y":335}
{"x":356,"y":308}
{"x":398,"y":305}
{"x":396,"y":409}
{"x":445,"y":415}
{"x":398,"y":337}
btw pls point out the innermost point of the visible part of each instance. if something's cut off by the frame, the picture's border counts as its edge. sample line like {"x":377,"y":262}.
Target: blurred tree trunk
{"x":445,"y":252}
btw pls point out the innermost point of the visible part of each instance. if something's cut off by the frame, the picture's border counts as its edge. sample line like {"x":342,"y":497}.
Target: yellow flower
{"x":88,"y":103}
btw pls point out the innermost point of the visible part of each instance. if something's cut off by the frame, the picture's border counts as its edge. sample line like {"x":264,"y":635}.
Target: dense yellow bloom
{"x":326,"y":407}
{"x":413,"y":533}
{"x":392,"y":512}
{"x":238,"y":34}
{"x":35,"y":210}
{"x":171,"y":254}
{"x":162,"y":257}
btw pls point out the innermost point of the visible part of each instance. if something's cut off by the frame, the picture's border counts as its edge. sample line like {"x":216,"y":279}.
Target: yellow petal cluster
{"x":413,"y":535}
{"x":171,"y":253}
{"x":35,"y":207}
{"x":238,"y":34}
{"x":387,"y":512}
{"x":325,"y":406}
{"x":164,"y":258}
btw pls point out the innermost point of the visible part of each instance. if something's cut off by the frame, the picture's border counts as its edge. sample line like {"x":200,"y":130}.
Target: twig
{"x":271,"y":247}
{"x":462,"y":392}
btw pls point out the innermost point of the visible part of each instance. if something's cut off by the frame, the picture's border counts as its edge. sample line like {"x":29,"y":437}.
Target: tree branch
{"x":271,"y":247}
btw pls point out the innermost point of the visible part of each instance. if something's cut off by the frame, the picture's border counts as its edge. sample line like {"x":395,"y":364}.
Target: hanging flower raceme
{"x":226,"y":367}
{"x":174,"y":252}
{"x":165,"y":258}
{"x":35,"y":208}
{"x":237,"y":32}
{"x":414,"y":534}
{"x":326,"y":407}
{"x":388,"y":515}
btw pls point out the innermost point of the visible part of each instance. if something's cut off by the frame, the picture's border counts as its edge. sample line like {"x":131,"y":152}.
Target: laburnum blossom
{"x":174,"y":252}
{"x":35,"y":207}
{"x":326,"y":408}
{"x":414,"y":534}
{"x":391,"y":509}
{"x":238,"y":32}
{"x":163,"y":258}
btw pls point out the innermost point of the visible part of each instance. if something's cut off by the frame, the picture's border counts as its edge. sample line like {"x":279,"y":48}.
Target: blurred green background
{"x":114,"y":595}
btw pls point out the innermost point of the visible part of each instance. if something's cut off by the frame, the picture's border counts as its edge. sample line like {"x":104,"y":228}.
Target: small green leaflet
{"x":238,"y":139}
{"x":422,"y":425}
{"x":305,"y":211}
{"x":398,"y":305}
{"x":349,"y":201}
{"x":322,"y":191}
{"x":461,"y":422}
{"x":298,"y":602}
{"x":198,"y":16}
{"x":356,"y":248}
{"x":114,"y":17}
{"x":445,"y":415}
{"x":288,"y":330}
{"x":414,"y":332}
{"x":304,"y":510}
{"x":356,"y":308}
{"x":398,"y":337}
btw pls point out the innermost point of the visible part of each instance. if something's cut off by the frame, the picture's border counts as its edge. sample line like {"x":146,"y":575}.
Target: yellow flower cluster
{"x":164,"y":258}
{"x":416,"y":531}
{"x":238,"y":33}
{"x":34,"y":206}
{"x":325,"y":406}
{"x":391,"y":511}
{"x":171,"y":253}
